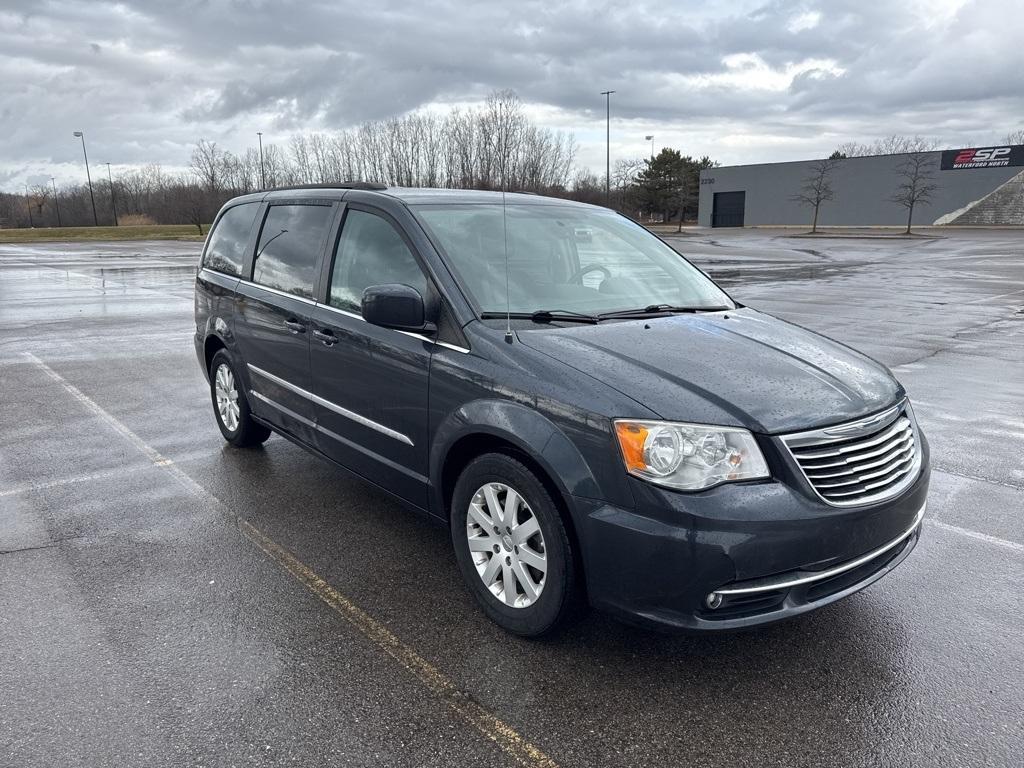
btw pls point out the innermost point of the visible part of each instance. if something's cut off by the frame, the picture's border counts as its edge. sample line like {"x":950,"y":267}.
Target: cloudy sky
{"x":739,"y":81}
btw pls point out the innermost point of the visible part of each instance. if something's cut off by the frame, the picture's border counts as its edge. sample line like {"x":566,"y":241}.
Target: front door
{"x":274,"y":315}
{"x":370,"y":383}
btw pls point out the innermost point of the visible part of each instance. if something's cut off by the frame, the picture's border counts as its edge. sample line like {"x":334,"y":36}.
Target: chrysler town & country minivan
{"x":590,"y":415}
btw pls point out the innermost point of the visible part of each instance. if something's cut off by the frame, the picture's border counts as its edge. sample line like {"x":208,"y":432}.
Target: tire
{"x":477,"y":511}
{"x":232,"y":411}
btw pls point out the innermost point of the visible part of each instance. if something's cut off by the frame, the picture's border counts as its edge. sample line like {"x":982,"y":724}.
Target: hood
{"x":736,"y":368}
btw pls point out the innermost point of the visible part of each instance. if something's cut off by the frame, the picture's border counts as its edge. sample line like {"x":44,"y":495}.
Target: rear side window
{"x":370,"y":252}
{"x":289,"y":247}
{"x":226,"y":249}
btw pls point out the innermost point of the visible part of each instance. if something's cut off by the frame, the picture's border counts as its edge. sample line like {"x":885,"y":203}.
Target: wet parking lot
{"x":167,"y":600}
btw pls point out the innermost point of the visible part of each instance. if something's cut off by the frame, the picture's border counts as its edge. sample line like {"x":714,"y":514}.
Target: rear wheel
{"x":230,"y":405}
{"x":511,"y":546}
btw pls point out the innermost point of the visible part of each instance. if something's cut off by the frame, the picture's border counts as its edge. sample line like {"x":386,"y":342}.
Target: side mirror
{"x":396,"y":306}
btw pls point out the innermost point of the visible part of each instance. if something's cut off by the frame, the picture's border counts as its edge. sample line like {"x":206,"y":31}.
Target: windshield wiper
{"x":658,"y":309}
{"x":545,"y":316}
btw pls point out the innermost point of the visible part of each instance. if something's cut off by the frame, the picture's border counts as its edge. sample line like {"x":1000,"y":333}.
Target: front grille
{"x":876,"y":464}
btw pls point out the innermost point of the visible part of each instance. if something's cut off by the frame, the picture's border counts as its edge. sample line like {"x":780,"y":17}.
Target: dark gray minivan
{"x":590,"y":415}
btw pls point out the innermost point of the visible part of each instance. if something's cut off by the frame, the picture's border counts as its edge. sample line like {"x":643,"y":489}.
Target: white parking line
{"x":993,"y":298}
{"x":29,"y":487}
{"x":1012,"y":545}
{"x":471,"y":713}
{"x":42,"y":485}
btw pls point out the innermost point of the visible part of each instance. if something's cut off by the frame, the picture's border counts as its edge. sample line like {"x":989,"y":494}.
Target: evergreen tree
{"x":669,"y":182}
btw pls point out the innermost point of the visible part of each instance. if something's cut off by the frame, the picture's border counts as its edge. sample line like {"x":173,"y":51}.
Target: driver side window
{"x":370,"y":252}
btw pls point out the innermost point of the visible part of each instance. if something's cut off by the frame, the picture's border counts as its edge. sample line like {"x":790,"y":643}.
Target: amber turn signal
{"x":631,"y":440}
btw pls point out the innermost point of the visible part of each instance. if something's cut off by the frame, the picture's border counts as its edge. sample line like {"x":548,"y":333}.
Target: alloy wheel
{"x":506,"y":545}
{"x":227,"y":396}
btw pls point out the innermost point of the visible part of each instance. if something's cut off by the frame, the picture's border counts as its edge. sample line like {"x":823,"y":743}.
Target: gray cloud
{"x":740,"y":82}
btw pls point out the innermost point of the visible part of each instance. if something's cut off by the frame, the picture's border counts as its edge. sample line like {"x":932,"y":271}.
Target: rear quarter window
{"x":291,"y":240}
{"x":225,"y":249}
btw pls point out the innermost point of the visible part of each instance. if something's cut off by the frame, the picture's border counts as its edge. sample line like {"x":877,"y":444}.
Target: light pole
{"x":608,"y":147}
{"x":263,"y":171}
{"x":28,"y":199}
{"x":651,"y":139}
{"x":113,"y":205}
{"x":56,"y":199}
{"x":95,"y":218}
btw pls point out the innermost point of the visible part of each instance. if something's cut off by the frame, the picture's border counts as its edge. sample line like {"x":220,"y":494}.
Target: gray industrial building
{"x":975,"y":186}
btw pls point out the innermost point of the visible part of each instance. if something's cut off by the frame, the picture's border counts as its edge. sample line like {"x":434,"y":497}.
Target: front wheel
{"x":512,"y":546}
{"x":230,"y":405}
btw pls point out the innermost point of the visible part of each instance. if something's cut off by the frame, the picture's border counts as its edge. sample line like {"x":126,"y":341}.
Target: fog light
{"x":713,"y":600}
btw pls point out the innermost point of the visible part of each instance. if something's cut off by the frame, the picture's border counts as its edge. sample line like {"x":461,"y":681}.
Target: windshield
{"x":563,"y":258}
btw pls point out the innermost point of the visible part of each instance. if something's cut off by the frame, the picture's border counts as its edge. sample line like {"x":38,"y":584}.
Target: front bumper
{"x":769,"y":551}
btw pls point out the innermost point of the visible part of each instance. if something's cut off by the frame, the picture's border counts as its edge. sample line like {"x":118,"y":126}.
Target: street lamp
{"x":651,"y":139}
{"x":56,"y":199}
{"x":263,"y":171}
{"x":608,"y":147}
{"x":113,"y":205}
{"x":95,"y":218}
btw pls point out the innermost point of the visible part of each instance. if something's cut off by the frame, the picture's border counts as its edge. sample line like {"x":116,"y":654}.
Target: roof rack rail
{"x":371,"y":185}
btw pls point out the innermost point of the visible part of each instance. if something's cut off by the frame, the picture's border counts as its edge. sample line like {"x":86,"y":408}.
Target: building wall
{"x":862,"y":187}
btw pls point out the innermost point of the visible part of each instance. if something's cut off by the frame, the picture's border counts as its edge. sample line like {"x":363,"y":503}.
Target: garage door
{"x":727,"y":210}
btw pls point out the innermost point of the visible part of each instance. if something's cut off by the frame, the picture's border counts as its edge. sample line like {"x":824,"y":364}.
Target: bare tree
{"x":917,"y":185}
{"x":817,"y":187}
{"x":1014,"y":137}
{"x":588,"y":188}
{"x":889,"y":145}
{"x":192,"y":204}
{"x":897,"y":145}
{"x":625,"y":171}
{"x":38,"y":197}
{"x":479,"y":148}
{"x":208,"y":163}
{"x":503,"y":126}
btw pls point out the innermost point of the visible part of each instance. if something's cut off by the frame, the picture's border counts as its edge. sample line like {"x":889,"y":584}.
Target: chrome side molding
{"x":352,"y":415}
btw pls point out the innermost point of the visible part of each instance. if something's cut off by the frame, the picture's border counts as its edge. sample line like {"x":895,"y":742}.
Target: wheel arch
{"x":499,"y":426}
{"x":481,"y":425}
{"x":211,"y":345}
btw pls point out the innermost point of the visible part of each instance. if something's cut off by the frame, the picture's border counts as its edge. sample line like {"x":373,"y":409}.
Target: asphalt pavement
{"x":167,"y":600}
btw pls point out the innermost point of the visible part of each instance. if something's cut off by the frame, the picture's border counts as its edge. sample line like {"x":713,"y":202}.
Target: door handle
{"x":328,"y":338}
{"x":295,"y":326}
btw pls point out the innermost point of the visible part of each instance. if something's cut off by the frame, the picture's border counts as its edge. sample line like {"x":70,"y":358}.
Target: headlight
{"x":689,"y":456}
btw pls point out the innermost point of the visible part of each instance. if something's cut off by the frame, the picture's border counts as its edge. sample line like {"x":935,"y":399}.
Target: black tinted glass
{"x":370,"y":252}
{"x":289,"y":247}
{"x":226,"y":249}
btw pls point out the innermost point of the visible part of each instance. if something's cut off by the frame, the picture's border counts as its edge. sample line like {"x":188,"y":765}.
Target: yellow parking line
{"x":489,"y":725}
{"x":471,"y":712}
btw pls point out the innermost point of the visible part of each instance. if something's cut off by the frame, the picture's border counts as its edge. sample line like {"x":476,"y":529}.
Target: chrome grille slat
{"x":906,"y":446}
{"x":901,"y":425}
{"x":849,"y":465}
{"x":870,"y":486}
{"x":901,"y":440}
{"x":870,"y":467}
{"x":871,"y":475}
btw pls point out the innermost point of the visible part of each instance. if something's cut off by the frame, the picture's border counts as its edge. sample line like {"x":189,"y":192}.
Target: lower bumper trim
{"x":798,"y":578}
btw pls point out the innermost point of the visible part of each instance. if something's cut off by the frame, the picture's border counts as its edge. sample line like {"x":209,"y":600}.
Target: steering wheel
{"x":577,"y":276}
